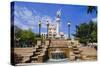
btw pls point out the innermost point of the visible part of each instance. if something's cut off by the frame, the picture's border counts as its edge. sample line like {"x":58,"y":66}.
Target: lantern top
{"x":39,"y":22}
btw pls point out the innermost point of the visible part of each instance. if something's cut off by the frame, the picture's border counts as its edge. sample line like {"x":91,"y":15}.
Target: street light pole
{"x":39,"y":28}
{"x":68,"y":29}
{"x":47,"y":28}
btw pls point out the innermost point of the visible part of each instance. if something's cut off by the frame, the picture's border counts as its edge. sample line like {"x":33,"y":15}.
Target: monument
{"x":58,"y":23}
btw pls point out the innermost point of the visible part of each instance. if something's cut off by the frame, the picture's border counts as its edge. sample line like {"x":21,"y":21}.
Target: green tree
{"x":23,"y":34}
{"x":17,"y":32}
{"x":82,"y":32}
{"x":24,"y":37}
{"x":93,"y":32}
{"x":86,"y":32}
{"x":27,"y":35}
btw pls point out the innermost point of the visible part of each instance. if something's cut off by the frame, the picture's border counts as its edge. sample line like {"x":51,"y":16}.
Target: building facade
{"x":54,"y":29}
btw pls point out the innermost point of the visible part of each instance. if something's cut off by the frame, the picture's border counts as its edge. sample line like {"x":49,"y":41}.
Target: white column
{"x":58,"y":22}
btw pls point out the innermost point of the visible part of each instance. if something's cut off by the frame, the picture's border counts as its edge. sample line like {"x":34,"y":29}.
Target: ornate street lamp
{"x":39,"y":28}
{"x":47,"y":28}
{"x":69,"y":24}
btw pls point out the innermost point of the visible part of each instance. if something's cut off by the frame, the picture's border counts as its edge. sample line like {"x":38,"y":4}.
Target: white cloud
{"x":94,"y":19}
{"x":17,"y":23}
{"x":27,"y":12}
{"x":44,"y":20}
{"x":26,"y":18}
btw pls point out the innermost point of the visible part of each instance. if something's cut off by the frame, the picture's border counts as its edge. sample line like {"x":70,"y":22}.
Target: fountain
{"x":58,"y":55}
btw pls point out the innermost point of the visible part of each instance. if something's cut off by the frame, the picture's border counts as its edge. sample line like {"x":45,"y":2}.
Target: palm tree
{"x":90,"y":9}
{"x":39,"y":28}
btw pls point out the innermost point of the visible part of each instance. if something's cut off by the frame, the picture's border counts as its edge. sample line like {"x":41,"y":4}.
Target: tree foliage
{"x":86,"y":32}
{"x":90,"y":9}
{"x":24,"y":37}
{"x":27,"y":35}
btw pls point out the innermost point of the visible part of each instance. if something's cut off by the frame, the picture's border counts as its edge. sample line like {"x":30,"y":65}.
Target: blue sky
{"x":27,"y":15}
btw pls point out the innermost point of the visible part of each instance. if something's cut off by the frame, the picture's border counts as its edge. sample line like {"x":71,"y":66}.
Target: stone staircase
{"x":76,"y":52}
{"x":40,"y":53}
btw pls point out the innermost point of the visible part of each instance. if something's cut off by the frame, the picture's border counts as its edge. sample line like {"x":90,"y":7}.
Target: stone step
{"x":44,"y":50}
{"x":34,"y":61}
{"x":34,"y":50}
{"x":42,"y":54}
{"x":36,"y":47}
{"x":76,"y":52}
{"x":37,"y":53}
{"x":34,"y":58}
{"x":40,"y":46}
{"x":88,"y":58}
{"x":46,"y":47}
{"x":75,"y":48}
{"x":78,"y":55}
{"x":39,"y":49}
{"x":26,"y":54}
